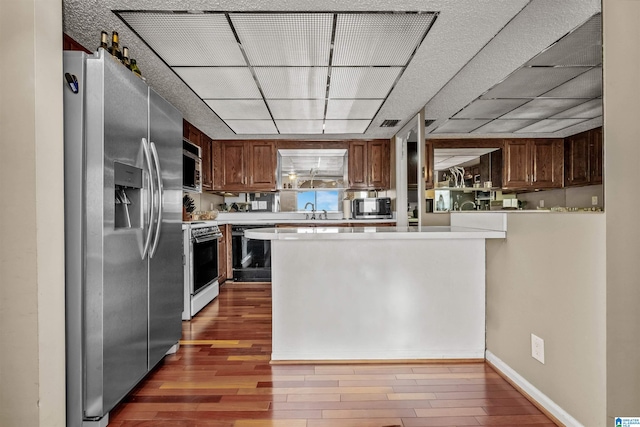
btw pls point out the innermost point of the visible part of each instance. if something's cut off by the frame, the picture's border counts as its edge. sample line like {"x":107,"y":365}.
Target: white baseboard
{"x":549,"y":405}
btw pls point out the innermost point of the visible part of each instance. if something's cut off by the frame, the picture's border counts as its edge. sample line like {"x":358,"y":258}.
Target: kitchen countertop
{"x":268,"y":218}
{"x":373,"y":233}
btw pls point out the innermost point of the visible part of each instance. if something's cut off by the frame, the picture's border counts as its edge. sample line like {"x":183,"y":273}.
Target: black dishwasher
{"x":251,"y":258}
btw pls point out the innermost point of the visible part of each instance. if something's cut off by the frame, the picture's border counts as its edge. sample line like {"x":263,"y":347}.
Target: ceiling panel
{"x":293,"y":82}
{"x":378,"y":39}
{"x":489,"y":108}
{"x":588,"y":110}
{"x":586,"y":85}
{"x":580,"y":47}
{"x":460,"y":126}
{"x":364,"y":82}
{"x":532,"y":82}
{"x":299,"y":126}
{"x":346,"y":126}
{"x":252,"y":126}
{"x":185,"y":39}
{"x":503,"y":126}
{"x":220,"y":82}
{"x":353,"y":108}
{"x":542,"y":108}
{"x":278,"y":39}
{"x":550,"y":125}
{"x":297,"y":108}
{"x":239,"y":108}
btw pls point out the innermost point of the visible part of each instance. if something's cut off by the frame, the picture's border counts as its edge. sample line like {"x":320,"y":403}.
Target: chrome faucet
{"x":313,"y":211}
{"x":465,"y":202}
{"x":324,"y":211}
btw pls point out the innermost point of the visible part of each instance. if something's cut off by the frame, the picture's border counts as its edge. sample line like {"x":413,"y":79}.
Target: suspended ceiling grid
{"x":471,"y":47}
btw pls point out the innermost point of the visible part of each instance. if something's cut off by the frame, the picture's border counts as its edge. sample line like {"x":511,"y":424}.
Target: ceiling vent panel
{"x":185,"y":39}
{"x":532,"y":82}
{"x":550,"y":125}
{"x":285,"y":39}
{"x":353,"y":83}
{"x":389,"y":123}
{"x":429,"y":122}
{"x":460,"y":126}
{"x":239,"y":108}
{"x":353,"y":108}
{"x":489,"y":108}
{"x":587,"y":110}
{"x":254,"y":127}
{"x":346,"y":126}
{"x":378,"y":38}
{"x":582,"y":46}
{"x":586,"y":85}
{"x":297,"y":108}
{"x":542,"y":108}
{"x":299,"y":126}
{"x":293,"y":82}
{"x":503,"y":126}
{"x":220,"y":82}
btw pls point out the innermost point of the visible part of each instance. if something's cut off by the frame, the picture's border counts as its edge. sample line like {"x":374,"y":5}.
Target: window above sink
{"x":312,"y":169}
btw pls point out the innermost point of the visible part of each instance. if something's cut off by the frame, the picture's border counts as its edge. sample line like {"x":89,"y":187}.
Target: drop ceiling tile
{"x":588,"y":110}
{"x":278,"y":39}
{"x":583,"y":46}
{"x":531,"y":82}
{"x":489,"y":108}
{"x":299,"y":126}
{"x":297,"y":108}
{"x":363,"y":82}
{"x":379,"y":38}
{"x":550,"y":125}
{"x":542,"y":108}
{"x":346,"y":126}
{"x":293,"y":82}
{"x":220,"y":82}
{"x":503,"y":126}
{"x":186,"y":39}
{"x":242,"y":109}
{"x":586,"y":85}
{"x":353,"y":108}
{"x":460,"y":125}
{"x":254,"y":127}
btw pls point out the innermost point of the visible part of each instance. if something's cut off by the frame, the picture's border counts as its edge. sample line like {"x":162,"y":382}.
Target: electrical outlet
{"x":541,"y":203}
{"x":537,"y":348}
{"x":594,"y":200}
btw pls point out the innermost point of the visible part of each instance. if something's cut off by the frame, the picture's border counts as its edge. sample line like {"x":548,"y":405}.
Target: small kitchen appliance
{"x":371,"y":208}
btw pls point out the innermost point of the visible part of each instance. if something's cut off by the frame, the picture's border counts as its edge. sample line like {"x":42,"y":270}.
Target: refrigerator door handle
{"x":152,"y":186}
{"x":160,"y":205}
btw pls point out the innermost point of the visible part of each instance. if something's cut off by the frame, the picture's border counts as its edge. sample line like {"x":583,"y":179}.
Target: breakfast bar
{"x":379,"y":293}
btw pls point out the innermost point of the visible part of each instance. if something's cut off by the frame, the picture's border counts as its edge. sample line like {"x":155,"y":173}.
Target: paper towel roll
{"x":346,"y":209}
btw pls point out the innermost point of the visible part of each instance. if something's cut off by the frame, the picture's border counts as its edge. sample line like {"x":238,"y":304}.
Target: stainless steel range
{"x":201,"y":267}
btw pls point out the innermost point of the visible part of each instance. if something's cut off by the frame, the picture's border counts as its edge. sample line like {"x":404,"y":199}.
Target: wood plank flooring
{"x":221,"y":377}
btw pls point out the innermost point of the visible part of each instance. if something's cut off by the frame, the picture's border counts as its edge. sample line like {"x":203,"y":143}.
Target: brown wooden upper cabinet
{"x":194,"y":135}
{"x":428,"y":165}
{"x":533,"y":163}
{"x":244,"y":165}
{"x":583,"y":158}
{"x":369,"y":165}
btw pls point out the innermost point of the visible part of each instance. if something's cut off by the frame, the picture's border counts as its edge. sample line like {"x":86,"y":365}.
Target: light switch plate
{"x":262,"y":204}
{"x":594,"y":200}
{"x":254,"y":205}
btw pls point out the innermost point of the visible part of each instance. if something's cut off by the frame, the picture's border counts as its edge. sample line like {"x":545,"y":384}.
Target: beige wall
{"x":622,"y":160}
{"x":548,"y":278}
{"x":31,"y":226}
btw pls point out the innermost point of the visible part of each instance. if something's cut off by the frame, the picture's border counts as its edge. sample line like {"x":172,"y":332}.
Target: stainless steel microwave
{"x":191,"y":167}
{"x":371,"y":208}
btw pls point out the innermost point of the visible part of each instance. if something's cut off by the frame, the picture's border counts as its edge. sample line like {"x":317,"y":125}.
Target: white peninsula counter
{"x":379,"y":293}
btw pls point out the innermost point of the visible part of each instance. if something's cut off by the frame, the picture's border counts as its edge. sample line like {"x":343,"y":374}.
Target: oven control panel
{"x":209,"y":230}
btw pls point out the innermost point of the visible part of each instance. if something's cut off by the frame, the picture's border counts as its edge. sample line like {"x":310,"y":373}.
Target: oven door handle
{"x":209,"y":238}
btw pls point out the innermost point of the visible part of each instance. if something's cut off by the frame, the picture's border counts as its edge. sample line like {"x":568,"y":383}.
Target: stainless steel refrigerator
{"x":123,"y":234}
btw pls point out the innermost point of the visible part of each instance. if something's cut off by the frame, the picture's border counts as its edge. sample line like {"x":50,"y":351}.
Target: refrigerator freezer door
{"x":116,"y":292}
{"x":165,"y":267}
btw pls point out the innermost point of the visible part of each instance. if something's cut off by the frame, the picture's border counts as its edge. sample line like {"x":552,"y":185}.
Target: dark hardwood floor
{"x":221,"y":377}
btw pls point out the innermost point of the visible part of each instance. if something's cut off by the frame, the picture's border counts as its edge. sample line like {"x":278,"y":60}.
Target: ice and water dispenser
{"x":128,"y":199}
